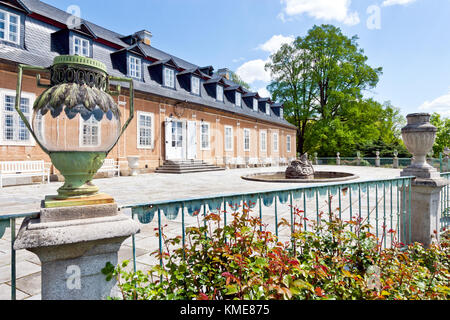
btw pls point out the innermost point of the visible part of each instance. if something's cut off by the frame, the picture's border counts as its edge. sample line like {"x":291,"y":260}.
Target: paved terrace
{"x":137,"y":190}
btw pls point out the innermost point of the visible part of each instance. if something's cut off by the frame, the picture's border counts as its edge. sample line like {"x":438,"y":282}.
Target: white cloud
{"x":254,"y":70}
{"x":264,"y":93}
{"x":388,"y":3}
{"x":275,"y":43}
{"x":440,"y":105}
{"x":338,"y":10}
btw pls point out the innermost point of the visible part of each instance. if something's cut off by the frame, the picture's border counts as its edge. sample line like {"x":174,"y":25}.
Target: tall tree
{"x":319,"y":77}
{"x":443,"y":134}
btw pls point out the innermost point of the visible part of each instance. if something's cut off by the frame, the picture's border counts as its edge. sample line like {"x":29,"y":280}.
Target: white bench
{"x":18,"y":169}
{"x":110,"y":165}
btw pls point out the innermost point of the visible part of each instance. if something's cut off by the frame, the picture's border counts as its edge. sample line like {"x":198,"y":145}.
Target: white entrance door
{"x":175,"y":140}
{"x":192,"y":140}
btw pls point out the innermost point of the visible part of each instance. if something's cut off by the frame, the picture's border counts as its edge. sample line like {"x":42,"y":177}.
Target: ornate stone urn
{"x":300,"y":169}
{"x":133,"y":164}
{"x":419,"y":137}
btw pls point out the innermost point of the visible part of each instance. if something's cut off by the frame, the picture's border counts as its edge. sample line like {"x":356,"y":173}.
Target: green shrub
{"x":335,"y":260}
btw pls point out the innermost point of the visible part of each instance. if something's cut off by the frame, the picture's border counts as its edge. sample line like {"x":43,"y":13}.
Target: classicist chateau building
{"x":182,"y":111}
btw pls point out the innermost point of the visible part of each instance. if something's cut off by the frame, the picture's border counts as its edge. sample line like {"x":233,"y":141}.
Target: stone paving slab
{"x":154,"y":187}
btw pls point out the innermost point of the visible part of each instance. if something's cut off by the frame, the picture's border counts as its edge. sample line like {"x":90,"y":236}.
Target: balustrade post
{"x":422,"y":198}
{"x":377,"y":160}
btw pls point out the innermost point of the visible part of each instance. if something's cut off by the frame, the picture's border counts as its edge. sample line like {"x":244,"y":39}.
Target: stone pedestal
{"x":425,"y":212}
{"x":395,"y":163}
{"x":74,"y":244}
{"x":378,"y":160}
{"x":419,"y":136}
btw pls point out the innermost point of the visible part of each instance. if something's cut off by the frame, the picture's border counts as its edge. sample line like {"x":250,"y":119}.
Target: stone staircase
{"x":186,"y":166}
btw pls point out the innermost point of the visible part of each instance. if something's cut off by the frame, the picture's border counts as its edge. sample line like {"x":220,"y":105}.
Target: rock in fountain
{"x":300,"y":169}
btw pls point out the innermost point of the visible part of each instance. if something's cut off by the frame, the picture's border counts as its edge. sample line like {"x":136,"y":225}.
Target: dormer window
{"x":255,"y":104}
{"x":9,"y":27}
{"x":268,"y":109}
{"x":195,"y":85}
{"x":169,"y":77}
{"x":80,"y":46}
{"x":134,"y":67}
{"x":219,"y":93}
{"x":238,"y":101}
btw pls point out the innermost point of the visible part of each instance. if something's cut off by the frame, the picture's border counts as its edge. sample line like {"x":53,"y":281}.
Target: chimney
{"x":224,"y":72}
{"x":144,"y":36}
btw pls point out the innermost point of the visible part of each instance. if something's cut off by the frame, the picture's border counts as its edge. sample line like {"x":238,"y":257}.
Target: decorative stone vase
{"x":133,"y":164}
{"x":419,"y":137}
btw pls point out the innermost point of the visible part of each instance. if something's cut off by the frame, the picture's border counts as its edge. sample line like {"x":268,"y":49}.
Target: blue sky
{"x":408,"y":38}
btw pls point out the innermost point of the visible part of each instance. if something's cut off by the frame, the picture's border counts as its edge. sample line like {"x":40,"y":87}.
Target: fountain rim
{"x":254,"y":177}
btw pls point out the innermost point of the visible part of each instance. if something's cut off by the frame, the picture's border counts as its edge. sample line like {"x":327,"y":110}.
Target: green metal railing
{"x":439,"y":163}
{"x":382,"y":203}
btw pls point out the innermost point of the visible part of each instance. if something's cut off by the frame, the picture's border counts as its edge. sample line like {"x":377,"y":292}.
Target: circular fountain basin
{"x":319,"y":177}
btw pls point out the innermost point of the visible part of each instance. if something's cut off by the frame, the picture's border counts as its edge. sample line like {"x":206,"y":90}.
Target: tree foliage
{"x":443,"y":134}
{"x":321,"y":78}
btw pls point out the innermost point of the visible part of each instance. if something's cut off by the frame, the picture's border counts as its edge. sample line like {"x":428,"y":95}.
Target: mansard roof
{"x":46,"y":13}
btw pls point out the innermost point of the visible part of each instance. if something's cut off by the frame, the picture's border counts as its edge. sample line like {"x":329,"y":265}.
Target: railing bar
{"x":292,"y":217}
{"x":398,"y":212}
{"x":359,"y":202}
{"x":276,"y":215}
{"x":160,"y":240}
{"x":368,"y":205}
{"x":260,"y":212}
{"x":12,"y":224}
{"x":392,"y":226}
{"x":376,"y":210}
{"x":340,"y":203}
{"x":409,"y":209}
{"x":384,"y":215}
{"x":133,"y":241}
{"x":304,"y":212}
{"x":351,"y":206}
{"x":317,"y":206}
{"x":404,"y":211}
{"x":183,"y":231}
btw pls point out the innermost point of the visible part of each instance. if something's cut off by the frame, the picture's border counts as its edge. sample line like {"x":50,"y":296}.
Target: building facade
{"x":182,"y":111}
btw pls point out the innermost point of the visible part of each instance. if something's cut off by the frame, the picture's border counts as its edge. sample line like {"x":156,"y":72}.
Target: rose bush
{"x":334,"y":260}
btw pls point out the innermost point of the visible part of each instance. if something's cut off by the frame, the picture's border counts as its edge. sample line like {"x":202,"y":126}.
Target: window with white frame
{"x":281,"y":113}
{"x":238,"y":98}
{"x":275,"y":142}
{"x":288,"y":144}
{"x":13,"y":129}
{"x":169,"y":77}
{"x":255,"y":105}
{"x":80,"y":46}
{"x":145,"y":130}
{"x":9,"y":27}
{"x":219,"y":93}
{"x":90,"y":133}
{"x":195,"y":85}
{"x":246,"y":139}
{"x":263,"y":141}
{"x":268,"y":109}
{"x":134,"y":67}
{"x":204,"y":135}
{"x":228,"y":138}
